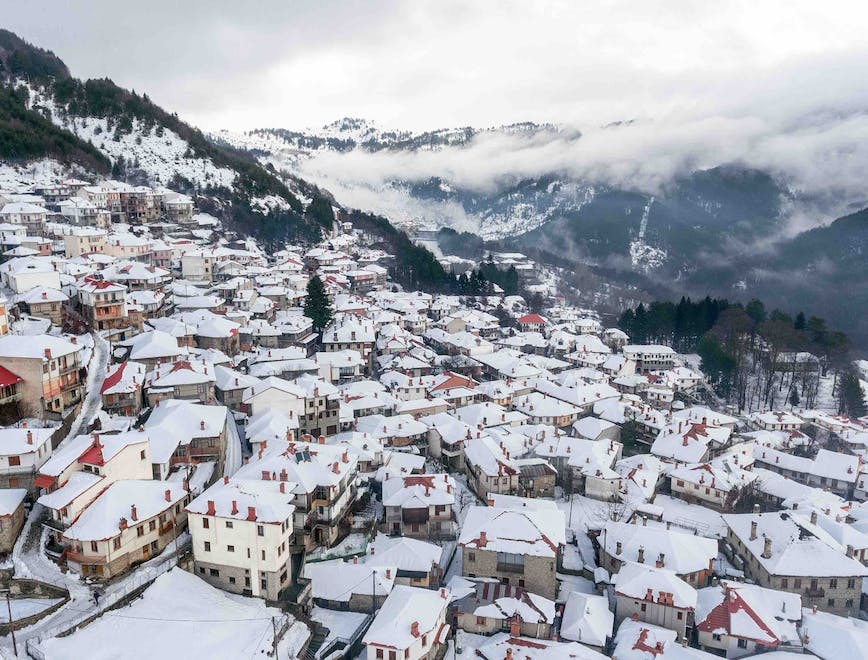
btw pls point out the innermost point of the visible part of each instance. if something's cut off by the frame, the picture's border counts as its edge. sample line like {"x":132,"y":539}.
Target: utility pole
{"x":274,"y":636}
{"x":11,"y":625}
{"x":373,"y":592}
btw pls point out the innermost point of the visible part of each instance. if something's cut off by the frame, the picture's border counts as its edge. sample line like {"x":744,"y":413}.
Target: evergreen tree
{"x":851,"y":399}
{"x":317,"y":306}
{"x":756,"y":310}
{"x":800,"y":323}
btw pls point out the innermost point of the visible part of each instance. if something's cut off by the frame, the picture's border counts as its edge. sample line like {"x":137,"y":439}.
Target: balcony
{"x":81,"y":558}
{"x":509,"y":568}
{"x":414,"y":516}
{"x":815,"y":592}
{"x":56,"y":525}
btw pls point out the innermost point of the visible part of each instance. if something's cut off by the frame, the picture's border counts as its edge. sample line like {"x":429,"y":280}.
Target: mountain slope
{"x":97,"y":125}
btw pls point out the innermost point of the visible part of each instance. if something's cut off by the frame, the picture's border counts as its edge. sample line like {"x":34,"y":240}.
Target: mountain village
{"x":412,"y":475}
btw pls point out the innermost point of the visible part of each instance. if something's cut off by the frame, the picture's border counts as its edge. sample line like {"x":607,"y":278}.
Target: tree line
{"x":754,"y":359}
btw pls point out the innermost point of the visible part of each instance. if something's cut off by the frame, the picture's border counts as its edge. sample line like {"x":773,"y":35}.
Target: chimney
{"x":29,"y":437}
{"x":756,"y":508}
{"x":388,"y":573}
{"x":122,"y":524}
{"x":226,"y":479}
{"x":515,"y":626}
{"x":767,"y":548}
{"x":251,"y":513}
{"x":234,"y":507}
{"x":641,"y":558}
{"x":47,"y":353}
{"x":168,"y":495}
{"x":483,"y":539}
{"x":850,"y":551}
{"x":133,"y":514}
{"x":283,"y":487}
{"x":813,"y":517}
{"x":661,"y":561}
{"x":212,"y":509}
{"x":414,"y":629}
{"x":618,"y":548}
{"x":442,"y":589}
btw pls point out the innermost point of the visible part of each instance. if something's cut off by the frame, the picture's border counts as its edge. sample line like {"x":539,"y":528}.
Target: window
{"x":264,"y":583}
{"x":831,"y":602}
{"x":205,"y":523}
{"x":260,"y":530}
{"x":715,"y":637}
{"x":202,"y":570}
{"x":379,"y":653}
{"x":480,"y":621}
{"x":116,"y":544}
{"x":680,"y":615}
{"x":643,"y":607}
{"x":231,"y":580}
{"x":851,"y":583}
{"x":785,"y":583}
{"x":471,"y":556}
{"x":510,"y":561}
{"x":849,"y":602}
{"x":424,"y":640}
{"x":833,"y":583}
{"x":230,"y":548}
{"x":152,"y":525}
{"x":229,"y":524}
{"x":742,"y":643}
{"x":263,"y":555}
{"x":93,"y":546}
{"x":142,"y":454}
{"x":140,"y":530}
{"x":207,"y":546}
{"x":214,"y":572}
{"x":797,"y":583}
{"x":14,"y":460}
{"x":393,"y":655}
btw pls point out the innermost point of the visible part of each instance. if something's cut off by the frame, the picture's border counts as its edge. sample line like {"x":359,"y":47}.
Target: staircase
{"x":317,"y":638}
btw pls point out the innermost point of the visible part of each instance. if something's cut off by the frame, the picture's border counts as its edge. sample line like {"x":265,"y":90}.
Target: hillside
{"x":97,"y":126}
{"x":723,"y":230}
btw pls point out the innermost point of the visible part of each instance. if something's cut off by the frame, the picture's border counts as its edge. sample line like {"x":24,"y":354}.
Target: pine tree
{"x":316,"y":305}
{"x":800,"y":323}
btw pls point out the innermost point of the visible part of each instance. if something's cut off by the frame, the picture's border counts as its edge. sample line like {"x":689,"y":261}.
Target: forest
{"x":754,"y":359}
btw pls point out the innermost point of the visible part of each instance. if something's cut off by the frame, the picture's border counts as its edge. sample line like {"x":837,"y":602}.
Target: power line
{"x":151,"y":618}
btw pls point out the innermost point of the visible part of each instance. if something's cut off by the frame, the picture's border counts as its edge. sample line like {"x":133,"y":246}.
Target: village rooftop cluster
{"x":424,"y":475}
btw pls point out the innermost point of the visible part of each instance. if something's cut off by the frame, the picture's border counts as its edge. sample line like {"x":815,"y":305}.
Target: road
{"x":92,"y":399}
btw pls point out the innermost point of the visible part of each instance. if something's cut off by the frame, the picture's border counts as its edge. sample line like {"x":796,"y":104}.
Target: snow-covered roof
{"x":408,"y":613}
{"x":133,"y":500}
{"x":536,"y":532}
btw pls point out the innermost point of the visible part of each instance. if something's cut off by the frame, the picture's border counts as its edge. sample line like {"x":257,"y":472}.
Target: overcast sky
{"x":422,"y":64}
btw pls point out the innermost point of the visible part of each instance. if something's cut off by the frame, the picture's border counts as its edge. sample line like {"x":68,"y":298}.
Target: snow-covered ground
{"x":92,"y":398}
{"x":178,"y":616}
{"x":25,"y":607}
{"x":161,"y":156}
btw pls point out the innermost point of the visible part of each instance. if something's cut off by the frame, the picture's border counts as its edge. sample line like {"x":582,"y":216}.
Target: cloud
{"x":433,"y":63}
